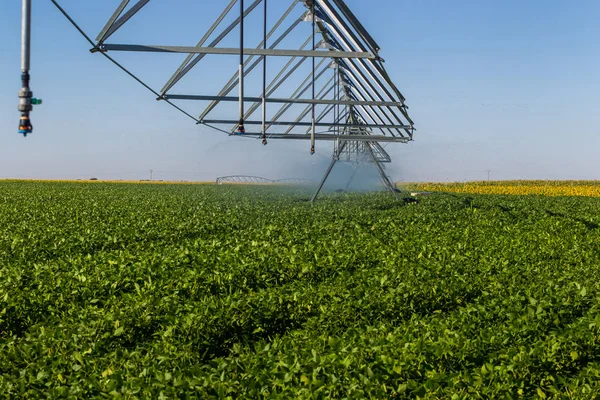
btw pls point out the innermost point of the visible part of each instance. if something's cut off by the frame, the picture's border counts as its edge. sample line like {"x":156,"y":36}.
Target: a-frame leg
{"x":335,"y":158}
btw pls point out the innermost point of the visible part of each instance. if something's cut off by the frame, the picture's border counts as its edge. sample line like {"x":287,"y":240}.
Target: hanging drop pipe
{"x":26,"y":36}
{"x":241,"y":130}
{"x":264,"y":94}
{"x":312,"y":135}
{"x":25,"y":94}
{"x":333,"y":128}
{"x":336,"y":110}
{"x":335,"y":121}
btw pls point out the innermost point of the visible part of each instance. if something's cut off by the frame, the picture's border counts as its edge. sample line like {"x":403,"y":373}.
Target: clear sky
{"x":508,"y":86}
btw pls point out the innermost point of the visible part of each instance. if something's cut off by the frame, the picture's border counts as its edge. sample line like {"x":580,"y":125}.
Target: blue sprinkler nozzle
{"x":25,"y":126}
{"x":240,"y":129}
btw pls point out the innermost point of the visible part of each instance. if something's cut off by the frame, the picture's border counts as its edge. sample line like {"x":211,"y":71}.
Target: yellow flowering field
{"x":541,"y":187}
{"x":100,"y":181}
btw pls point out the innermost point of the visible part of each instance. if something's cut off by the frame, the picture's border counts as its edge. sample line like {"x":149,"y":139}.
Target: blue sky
{"x":507,"y":86}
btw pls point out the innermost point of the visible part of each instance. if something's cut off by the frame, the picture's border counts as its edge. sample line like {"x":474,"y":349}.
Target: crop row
{"x":202,"y":291}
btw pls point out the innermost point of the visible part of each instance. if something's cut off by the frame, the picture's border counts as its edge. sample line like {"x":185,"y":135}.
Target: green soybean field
{"x":139,"y":291}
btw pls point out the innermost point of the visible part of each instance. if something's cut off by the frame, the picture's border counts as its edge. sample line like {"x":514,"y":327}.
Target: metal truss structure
{"x":326,"y":80}
{"x":242,"y":179}
{"x":260,"y":180}
{"x":294,"y":181}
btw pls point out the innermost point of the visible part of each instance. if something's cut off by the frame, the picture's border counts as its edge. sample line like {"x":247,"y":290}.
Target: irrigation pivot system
{"x":312,"y":72}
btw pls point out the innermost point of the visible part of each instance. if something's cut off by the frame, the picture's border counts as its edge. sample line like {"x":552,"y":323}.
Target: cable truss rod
{"x":191,"y":61}
{"x":330,"y":137}
{"x":232,"y":83}
{"x":235,"y":51}
{"x":177,"y":75}
{"x":320,"y":124}
{"x":350,"y":41}
{"x":112,"y":20}
{"x":323,"y":93}
{"x":364,"y":95}
{"x":112,"y":26}
{"x":346,"y":36}
{"x":372,"y":110}
{"x":357,"y":25}
{"x":376,"y":110}
{"x":322,"y":116}
{"x":304,"y":86}
{"x":358,"y":77}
